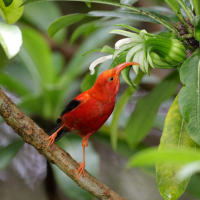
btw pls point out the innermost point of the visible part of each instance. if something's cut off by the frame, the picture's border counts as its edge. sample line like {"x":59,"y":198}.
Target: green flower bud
{"x":158,"y":63}
{"x":170,"y":51}
{"x":168,"y":34}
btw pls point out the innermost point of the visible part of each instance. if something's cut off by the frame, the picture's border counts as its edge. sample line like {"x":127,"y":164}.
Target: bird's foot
{"x":80,"y":170}
{"x":51,"y":139}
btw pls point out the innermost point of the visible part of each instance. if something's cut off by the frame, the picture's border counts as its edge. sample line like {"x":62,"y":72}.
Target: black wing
{"x":73,"y":104}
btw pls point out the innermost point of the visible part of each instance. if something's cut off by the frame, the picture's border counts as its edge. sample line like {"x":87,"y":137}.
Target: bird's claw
{"x":80,"y":170}
{"x":51,"y":140}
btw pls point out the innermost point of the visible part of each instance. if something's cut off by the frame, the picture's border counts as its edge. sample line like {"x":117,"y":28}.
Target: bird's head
{"x":108,"y":82}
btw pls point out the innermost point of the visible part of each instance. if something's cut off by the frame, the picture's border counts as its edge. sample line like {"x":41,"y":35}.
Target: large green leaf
{"x":10,"y":39}
{"x":196,"y":4}
{"x":174,"y":137}
{"x":173,"y":5}
{"x":9,"y":152}
{"x":187,"y":3}
{"x":40,"y":54}
{"x":82,"y":29}
{"x":189,"y":101}
{"x":42,"y":20}
{"x":63,"y":22}
{"x":11,"y":13}
{"x":146,"y":109}
{"x":193,"y":186}
{"x":88,"y":81}
{"x":149,"y":156}
{"x":31,"y":105}
{"x":13,"y":85}
{"x":125,"y":14}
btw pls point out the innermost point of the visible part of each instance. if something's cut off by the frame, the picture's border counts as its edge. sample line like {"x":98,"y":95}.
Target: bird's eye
{"x":111,"y":79}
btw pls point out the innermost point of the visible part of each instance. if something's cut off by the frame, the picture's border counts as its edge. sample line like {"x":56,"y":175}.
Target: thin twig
{"x":35,"y":136}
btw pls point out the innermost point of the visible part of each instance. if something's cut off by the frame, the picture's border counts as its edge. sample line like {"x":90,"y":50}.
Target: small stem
{"x":190,"y":35}
{"x":187,"y":46}
{"x":161,"y":21}
{"x":187,"y":10}
{"x":180,"y":16}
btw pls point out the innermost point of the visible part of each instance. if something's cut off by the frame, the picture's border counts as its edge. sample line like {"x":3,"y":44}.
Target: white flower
{"x":119,"y":43}
{"x":98,"y":61}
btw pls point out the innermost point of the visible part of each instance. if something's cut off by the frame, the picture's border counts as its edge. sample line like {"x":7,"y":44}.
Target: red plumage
{"x":89,"y":111}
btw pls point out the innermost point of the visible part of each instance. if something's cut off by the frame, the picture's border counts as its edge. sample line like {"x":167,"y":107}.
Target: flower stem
{"x":187,"y":10}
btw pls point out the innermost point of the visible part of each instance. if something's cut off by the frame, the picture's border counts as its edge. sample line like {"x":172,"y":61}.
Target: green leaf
{"x":196,"y":5}
{"x":40,"y":53}
{"x":91,"y":50}
{"x":193,"y":186}
{"x":9,"y":152}
{"x":123,"y":48}
{"x":63,"y":22}
{"x":32,"y":105}
{"x":88,"y":4}
{"x":128,"y":27}
{"x":149,"y":156}
{"x":118,"y":60}
{"x":188,"y":4}
{"x":13,"y":85}
{"x":42,"y":20}
{"x":128,"y":2}
{"x":82,"y":29}
{"x":68,"y":186}
{"x":12,"y":13}
{"x":7,"y":2}
{"x":88,"y":81}
{"x":196,"y":20}
{"x":186,"y":8}
{"x":10,"y":39}
{"x":176,"y":8}
{"x":3,"y":59}
{"x":108,"y":49}
{"x":173,"y":5}
{"x":174,"y":137}
{"x":188,"y":100}
{"x":119,"y":108}
{"x":83,"y":62}
{"x":146,"y":109}
{"x":125,"y":14}
{"x":126,"y":77}
{"x":109,"y":2}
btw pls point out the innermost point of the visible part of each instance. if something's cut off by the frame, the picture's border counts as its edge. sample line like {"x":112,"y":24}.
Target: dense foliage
{"x":30,"y":70}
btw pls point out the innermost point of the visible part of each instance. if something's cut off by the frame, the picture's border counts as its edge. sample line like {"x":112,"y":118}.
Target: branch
{"x":35,"y":136}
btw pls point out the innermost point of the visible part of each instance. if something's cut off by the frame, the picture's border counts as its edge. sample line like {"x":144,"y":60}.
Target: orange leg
{"x":82,"y":165}
{"x":53,"y":136}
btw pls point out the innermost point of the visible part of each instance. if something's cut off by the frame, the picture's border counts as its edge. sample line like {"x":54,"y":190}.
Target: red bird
{"x":86,"y":113}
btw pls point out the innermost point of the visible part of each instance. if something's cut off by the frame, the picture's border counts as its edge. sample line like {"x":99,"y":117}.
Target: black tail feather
{"x":60,"y":133}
